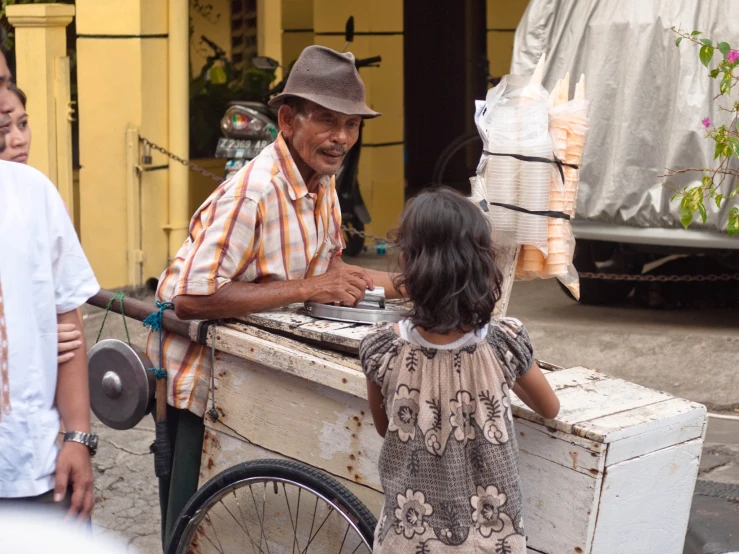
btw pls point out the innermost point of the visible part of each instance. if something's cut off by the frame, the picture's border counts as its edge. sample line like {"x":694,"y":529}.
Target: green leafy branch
{"x":726,"y":139}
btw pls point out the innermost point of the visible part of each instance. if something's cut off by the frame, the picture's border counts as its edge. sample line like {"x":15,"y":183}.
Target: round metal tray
{"x":363,"y":313}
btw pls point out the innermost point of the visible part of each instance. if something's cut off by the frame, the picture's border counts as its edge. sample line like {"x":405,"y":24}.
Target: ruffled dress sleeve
{"x":377,"y":352}
{"x":510,"y":342}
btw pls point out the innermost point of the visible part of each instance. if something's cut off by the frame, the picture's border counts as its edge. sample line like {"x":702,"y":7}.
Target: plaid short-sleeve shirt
{"x":261,"y":225}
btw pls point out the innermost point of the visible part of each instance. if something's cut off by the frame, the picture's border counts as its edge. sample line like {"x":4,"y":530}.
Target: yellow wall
{"x":131,"y":92}
{"x":297,"y":28}
{"x":216,"y":27}
{"x":381,"y":169}
{"x":502,"y":19}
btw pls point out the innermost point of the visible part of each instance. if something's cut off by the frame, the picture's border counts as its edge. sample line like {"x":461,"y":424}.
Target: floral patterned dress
{"x":449,"y":463}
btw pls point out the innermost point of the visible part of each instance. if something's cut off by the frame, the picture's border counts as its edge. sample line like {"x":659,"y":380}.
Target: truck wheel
{"x":603,"y":257}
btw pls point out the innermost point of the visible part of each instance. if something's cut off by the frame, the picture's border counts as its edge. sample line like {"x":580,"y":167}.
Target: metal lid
{"x":121,"y":385}
{"x":365,"y":313}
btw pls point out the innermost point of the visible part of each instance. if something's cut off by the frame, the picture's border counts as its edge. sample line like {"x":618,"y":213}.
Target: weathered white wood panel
{"x":299,"y":419}
{"x":283,"y":319}
{"x":645,"y":502}
{"x":279,"y":355}
{"x":569,"y":451}
{"x":585,"y":395}
{"x":221,"y":451}
{"x":346,"y":360}
{"x":334,"y":334}
{"x":649,"y":428}
{"x":320,"y":330}
{"x":559,"y":504}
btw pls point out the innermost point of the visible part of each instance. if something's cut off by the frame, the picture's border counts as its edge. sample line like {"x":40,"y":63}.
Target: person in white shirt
{"x":17,"y":149}
{"x":44,"y":279}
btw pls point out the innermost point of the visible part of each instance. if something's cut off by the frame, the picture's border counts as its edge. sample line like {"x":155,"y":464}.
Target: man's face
{"x":4,"y":117}
{"x":320,"y":137}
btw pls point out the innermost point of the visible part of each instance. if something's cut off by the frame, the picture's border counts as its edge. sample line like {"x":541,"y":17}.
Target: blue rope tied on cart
{"x":154,"y":321}
{"x":161,"y":448}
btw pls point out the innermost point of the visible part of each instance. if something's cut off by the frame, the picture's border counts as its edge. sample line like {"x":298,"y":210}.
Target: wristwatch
{"x":88,"y":439}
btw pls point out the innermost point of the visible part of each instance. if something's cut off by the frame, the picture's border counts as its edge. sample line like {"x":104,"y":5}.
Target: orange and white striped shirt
{"x":261,"y":225}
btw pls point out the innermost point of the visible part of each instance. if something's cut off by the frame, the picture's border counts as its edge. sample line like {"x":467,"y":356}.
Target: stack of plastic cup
{"x":535,"y":176}
{"x":502,"y":172}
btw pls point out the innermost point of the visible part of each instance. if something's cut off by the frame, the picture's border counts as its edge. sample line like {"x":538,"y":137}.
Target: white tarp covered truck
{"x":647,"y":100}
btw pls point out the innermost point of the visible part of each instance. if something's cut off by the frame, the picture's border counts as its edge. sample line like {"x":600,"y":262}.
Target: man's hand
{"x":341,"y":283}
{"x":69,"y":341}
{"x":73,"y":465}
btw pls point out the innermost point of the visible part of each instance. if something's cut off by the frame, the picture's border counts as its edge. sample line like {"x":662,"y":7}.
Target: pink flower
{"x":706,"y":122}
{"x":732,"y":56}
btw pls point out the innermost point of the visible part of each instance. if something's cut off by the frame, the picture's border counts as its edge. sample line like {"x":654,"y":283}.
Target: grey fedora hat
{"x":329,"y":79}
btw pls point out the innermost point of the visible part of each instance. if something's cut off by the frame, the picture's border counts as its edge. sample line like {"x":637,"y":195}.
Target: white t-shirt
{"x":410,"y":334}
{"x":43,"y":272}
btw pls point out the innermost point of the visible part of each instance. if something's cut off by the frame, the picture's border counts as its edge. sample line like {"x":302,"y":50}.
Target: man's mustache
{"x":335,"y":150}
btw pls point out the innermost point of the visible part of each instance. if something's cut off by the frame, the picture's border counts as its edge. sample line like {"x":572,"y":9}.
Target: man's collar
{"x":297,"y":187}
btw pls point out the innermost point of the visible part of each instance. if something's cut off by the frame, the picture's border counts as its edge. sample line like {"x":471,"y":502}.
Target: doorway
{"x":445,"y":71}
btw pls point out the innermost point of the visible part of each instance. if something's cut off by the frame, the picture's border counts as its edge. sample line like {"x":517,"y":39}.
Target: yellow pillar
{"x":122,"y":79}
{"x":40,"y":34}
{"x":179,"y":123}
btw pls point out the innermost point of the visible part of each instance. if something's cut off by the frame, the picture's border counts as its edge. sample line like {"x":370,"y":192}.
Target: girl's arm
{"x":533,"y":388}
{"x":376,"y":401}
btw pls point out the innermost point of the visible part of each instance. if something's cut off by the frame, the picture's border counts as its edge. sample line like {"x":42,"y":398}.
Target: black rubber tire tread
{"x":443,"y":160}
{"x":304,"y":474}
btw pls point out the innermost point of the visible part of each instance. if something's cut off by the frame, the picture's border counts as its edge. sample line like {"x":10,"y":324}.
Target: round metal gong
{"x":121,"y":385}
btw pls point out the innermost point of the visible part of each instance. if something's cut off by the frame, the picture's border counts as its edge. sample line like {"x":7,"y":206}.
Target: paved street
{"x":690,"y":354}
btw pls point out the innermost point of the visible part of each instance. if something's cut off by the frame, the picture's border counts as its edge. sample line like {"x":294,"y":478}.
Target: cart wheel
{"x":273,"y":506}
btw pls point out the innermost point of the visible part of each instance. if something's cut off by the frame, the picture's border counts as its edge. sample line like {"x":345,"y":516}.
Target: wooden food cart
{"x":614,"y":473}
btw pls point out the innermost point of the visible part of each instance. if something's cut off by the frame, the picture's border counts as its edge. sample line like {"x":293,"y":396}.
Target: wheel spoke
{"x":313,"y":522}
{"x":293,"y":523}
{"x":262,"y":535}
{"x":244,"y":526}
{"x":331,"y":511}
{"x":346,"y":533}
{"x":221,"y":550}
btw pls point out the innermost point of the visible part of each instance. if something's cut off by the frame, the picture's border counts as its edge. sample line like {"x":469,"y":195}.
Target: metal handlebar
{"x":220,"y":52}
{"x":367,"y":61}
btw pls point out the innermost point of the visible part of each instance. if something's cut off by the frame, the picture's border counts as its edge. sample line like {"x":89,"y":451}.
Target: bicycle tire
{"x":449,"y":152}
{"x":311,"y":478}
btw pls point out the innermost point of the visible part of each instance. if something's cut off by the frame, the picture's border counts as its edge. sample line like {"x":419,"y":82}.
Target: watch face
{"x":94,"y":442}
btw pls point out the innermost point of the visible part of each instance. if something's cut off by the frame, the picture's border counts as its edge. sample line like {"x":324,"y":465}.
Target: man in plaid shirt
{"x":268,"y":237}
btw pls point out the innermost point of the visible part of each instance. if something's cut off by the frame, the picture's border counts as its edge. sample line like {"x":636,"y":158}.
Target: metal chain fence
{"x":660,"y":278}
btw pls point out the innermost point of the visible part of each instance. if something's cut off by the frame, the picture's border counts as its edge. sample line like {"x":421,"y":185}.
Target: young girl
{"x":439,"y":386}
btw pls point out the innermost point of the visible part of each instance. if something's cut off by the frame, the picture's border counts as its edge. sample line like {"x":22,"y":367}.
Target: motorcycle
{"x":249,"y":127}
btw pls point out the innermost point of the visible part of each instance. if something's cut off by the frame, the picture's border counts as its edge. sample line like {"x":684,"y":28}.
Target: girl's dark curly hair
{"x":449,"y":269}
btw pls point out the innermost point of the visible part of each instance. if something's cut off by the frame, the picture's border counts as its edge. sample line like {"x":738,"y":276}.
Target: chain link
{"x":175,"y":157}
{"x":197,"y":169}
{"x":661,"y":278}
{"x":351,"y":231}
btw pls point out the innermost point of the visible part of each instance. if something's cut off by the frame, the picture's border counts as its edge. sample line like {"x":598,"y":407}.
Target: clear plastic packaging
{"x":519,"y":121}
{"x":515,"y":122}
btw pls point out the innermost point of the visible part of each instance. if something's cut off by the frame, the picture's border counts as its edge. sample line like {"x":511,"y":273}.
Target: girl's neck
{"x":440,"y":338}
